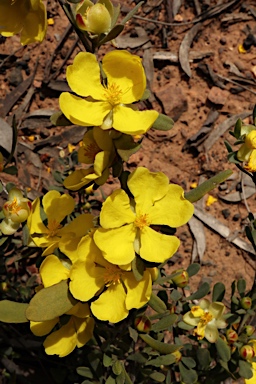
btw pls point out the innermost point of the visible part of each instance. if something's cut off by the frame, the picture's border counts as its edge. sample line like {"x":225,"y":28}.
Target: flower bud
{"x":246,"y":302}
{"x":249,"y":330}
{"x":181,"y":278}
{"x":154,"y":272}
{"x":247,"y":352}
{"x":232,"y":336}
{"x":143,"y":324}
{"x":95,"y":19}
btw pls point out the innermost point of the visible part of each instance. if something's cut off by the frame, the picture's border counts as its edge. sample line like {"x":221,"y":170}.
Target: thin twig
{"x":234,"y":82}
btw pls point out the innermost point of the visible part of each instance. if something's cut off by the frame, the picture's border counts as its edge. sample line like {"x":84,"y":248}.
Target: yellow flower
{"x":75,"y":333}
{"x":97,"y":149}
{"x":91,"y":273}
{"x":96,"y":18}
{"x":247,"y":151}
{"x":207,"y":318}
{"x":56,"y":207}
{"x":252,"y":380}
{"x":16,"y":210}
{"x":27,"y":17}
{"x":107,"y":105}
{"x":126,"y":223}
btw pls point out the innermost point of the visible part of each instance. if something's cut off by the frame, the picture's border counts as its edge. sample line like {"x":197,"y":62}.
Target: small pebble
{"x":236,"y":217}
{"x":223,"y":40}
{"x":225,"y":213}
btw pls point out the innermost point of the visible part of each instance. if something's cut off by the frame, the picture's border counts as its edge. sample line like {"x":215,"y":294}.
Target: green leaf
{"x":237,"y":129}
{"x":223,"y":350}
{"x":59,"y":119}
{"x":138,"y":268}
{"x":163,"y":123}
{"x":164,"y":323}
{"x":241,"y":287}
{"x":133,"y":334}
{"x":176,"y":295}
{"x":185,"y":326}
{"x":254,"y":115}
{"x":12,"y":170}
{"x":107,"y":360}
{"x":204,"y":358}
{"x":218,"y":292}
{"x":201,"y":292}
{"x":189,"y":362}
{"x":85,"y":372}
{"x":138,"y":357}
{"x":132,"y":13}
{"x":163,"y":348}
{"x":126,"y":146}
{"x":157,"y":376}
{"x":115,"y":31}
{"x":162,"y":360}
{"x":117,"y":367}
{"x":50,"y":302}
{"x":197,"y":193}
{"x":111,"y":380}
{"x":193,"y":269}
{"x":12,"y":312}
{"x":245,"y":369}
{"x":157,"y":304}
{"x":189,"y":376}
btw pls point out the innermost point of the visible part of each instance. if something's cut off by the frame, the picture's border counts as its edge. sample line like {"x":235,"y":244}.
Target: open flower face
{"x":27,"y":17}
{"x":126,"y":224}
{"x":97,"y":149}
{"x":207,"y":318}
{"x":252,"y":380}
{"x":91,"y":274}
{"x":107,"y":105}
{"x":56,"y":208}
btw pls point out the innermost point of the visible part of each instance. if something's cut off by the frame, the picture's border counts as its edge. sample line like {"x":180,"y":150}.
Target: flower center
{"x":91,"y":150}
{"x":13,"y":207}
{"x":53,"y":227}
{"x":112,"y":275}
{"x":142,"y":221}
{"x":113,"y":94}
{"x":206,"y":318}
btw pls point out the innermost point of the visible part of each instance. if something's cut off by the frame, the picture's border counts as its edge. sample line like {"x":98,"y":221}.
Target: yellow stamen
{"x":113,"y":94}
{"x":53,"y":227}
{"x":112,"y":275}
{"x":91,"y":150}
{"x":142,"y":221}
{"x":13,"y":207}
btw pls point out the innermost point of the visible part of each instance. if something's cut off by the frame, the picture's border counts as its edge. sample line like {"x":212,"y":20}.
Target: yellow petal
{"x":52,"y":271}
{"x":86,"y":279}
{"x":147,"y":188}
{"x":84,"y":329}
{"x":12,"y":16}
{"x":79,"y":226}
{"x":126,"y":120}
{"x":116,"y":211}
{"x":63,"y":341}
{"x":79,"y":179}
{"x":35,"y":25}
{"x":173,"y":209}
{"x":157,"y":247}
{"x":110,"y":306}
{"x":190,"y":319}
{"x":83,"y":76}
{"x":83,"y":112}
{"x":107,"y":240}
{"x":103,"y":139}
{"x":42,"y":328}
{"x":80,"y":310}
{"x":211,"y":333}
{"x":138,"y":292}
{"x":125,"y":70}
{"x":251,"y":166}
{"x":57,"y":206}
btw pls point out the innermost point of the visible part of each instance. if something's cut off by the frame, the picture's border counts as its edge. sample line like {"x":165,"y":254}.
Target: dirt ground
{"x":222,"y":84}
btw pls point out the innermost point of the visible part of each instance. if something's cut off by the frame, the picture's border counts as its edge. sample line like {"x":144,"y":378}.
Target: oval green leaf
{"x":163,"y":348}
{"x":11,"y":312}
{"x":50,"y":303}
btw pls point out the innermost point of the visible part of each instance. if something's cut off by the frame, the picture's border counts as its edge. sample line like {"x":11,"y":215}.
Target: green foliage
{"x":12,"y":312}
{"x":51,"y":302}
